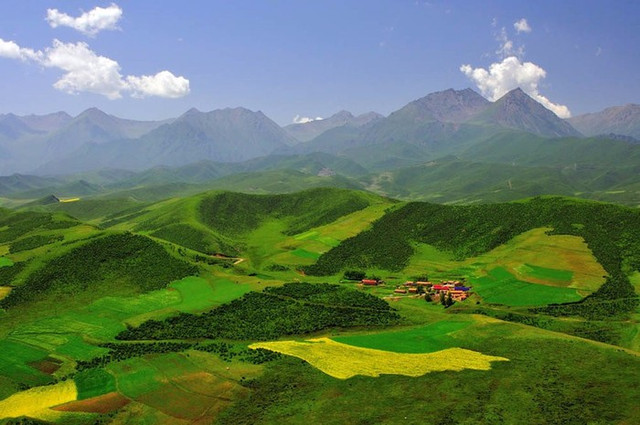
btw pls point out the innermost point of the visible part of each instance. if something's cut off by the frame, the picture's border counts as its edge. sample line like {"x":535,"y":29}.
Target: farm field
{"x":423,"y":339}
{"x":501,"y":287}
{"x":532,"y":269}
{"x":344,"y":361}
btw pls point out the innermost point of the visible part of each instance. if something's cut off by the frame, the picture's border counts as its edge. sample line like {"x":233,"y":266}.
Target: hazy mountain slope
{"x":528,"y":149}
{"x":21,"y":183}
{"x":516,"y":110}
{"x":304,"y":132}
{"x":95,"y":127}
{"x":450,"y":180}
{"x":450,"y":105}
{"x":226,"y":135}
{"x":622,"y":120}
{"x":48,"y":122}
{"x":13,"y":128}
{"x":427,"y":121}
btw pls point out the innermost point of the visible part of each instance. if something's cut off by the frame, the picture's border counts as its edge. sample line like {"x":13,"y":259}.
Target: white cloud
{"x":598,"y":51}
{"x":89,"y":23}
{"x":11,"y":50}
{"x":506,"y":47}
{"x":303,"y":120}
{"x":163,"y":84}
{"x":510,"y":73}
{"x":86,"y":71}
{"x":522,"y":26}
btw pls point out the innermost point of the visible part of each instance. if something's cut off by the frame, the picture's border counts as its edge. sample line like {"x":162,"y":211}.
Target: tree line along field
{"x":150,"y":327}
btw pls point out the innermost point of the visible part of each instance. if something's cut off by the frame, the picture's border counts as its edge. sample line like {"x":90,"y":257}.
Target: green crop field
{"x":501,"y":287}
{"x":5,"y":262}
{"x":424,"y":339}
{"x":303,"y":253}
{"x":94,"y":382}
{"x":544,"y":273}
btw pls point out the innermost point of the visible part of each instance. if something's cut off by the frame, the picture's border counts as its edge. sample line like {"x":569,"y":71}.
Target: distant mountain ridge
{"x":304,"y":132}
{"x":442,"y":123}
{"x":620,"y":120}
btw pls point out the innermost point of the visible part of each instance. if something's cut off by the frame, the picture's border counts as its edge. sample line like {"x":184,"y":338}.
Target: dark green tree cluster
{"x":119,"y":352}
{"x":8,"y":273}
{"x":32,"y":242}
{"x":19,"y":224}
{"x":272,"y":314}
{"x":190,"y":237}
{"x":328,"y":294}
{"x":24,"y":421}
{"x":354,"y":275}
{"x":224,"y":350}
{"x":126,"y":258}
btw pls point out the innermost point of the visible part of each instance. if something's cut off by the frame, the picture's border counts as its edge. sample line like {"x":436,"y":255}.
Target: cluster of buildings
{"x":458,"y":290}
{"x":455,"y":288}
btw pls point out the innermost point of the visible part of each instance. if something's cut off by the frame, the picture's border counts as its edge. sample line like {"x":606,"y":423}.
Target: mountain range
{"x":450,"y":146}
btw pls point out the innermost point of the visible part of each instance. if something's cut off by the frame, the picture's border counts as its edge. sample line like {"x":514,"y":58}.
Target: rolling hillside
{"x":141,"y":320}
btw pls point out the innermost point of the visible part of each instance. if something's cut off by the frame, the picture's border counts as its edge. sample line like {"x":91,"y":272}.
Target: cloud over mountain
{"x":512,"y":72}
{"x":303,"y":120}
{"x":89,"y":23}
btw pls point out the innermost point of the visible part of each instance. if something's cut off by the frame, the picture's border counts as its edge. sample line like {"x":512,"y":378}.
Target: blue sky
{"x":152,"y":60}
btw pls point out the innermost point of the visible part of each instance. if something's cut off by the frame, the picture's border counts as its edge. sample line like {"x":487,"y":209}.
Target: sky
{"x":302,"y":59}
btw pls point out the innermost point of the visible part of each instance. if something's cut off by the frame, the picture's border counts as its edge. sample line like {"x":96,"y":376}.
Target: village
{"x":446,"y":291}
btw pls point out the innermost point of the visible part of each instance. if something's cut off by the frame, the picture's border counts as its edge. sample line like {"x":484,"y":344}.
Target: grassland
{"x":364,"y":371}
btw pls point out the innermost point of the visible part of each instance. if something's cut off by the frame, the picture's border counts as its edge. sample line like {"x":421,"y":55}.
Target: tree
{"x":354,"y":275}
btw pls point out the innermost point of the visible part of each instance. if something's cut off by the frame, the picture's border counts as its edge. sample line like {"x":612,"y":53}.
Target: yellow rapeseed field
{"x":345,"y":361}
{"x":4,"y":291}
{"x":35,"y":402}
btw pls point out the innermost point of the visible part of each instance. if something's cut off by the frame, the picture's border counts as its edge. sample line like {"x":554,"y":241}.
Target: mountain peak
{"x":446,"y":106}
{"x":518,"y":110}
{"x":192,"y":111}
{"x":345,"y":115}
{"x":92,"y":112}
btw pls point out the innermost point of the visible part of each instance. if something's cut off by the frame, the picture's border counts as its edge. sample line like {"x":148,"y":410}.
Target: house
{"x":413,"y":290}
{"x":369,"y":282}
{"x":400,"y":291}
{"x":423,"y":283}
